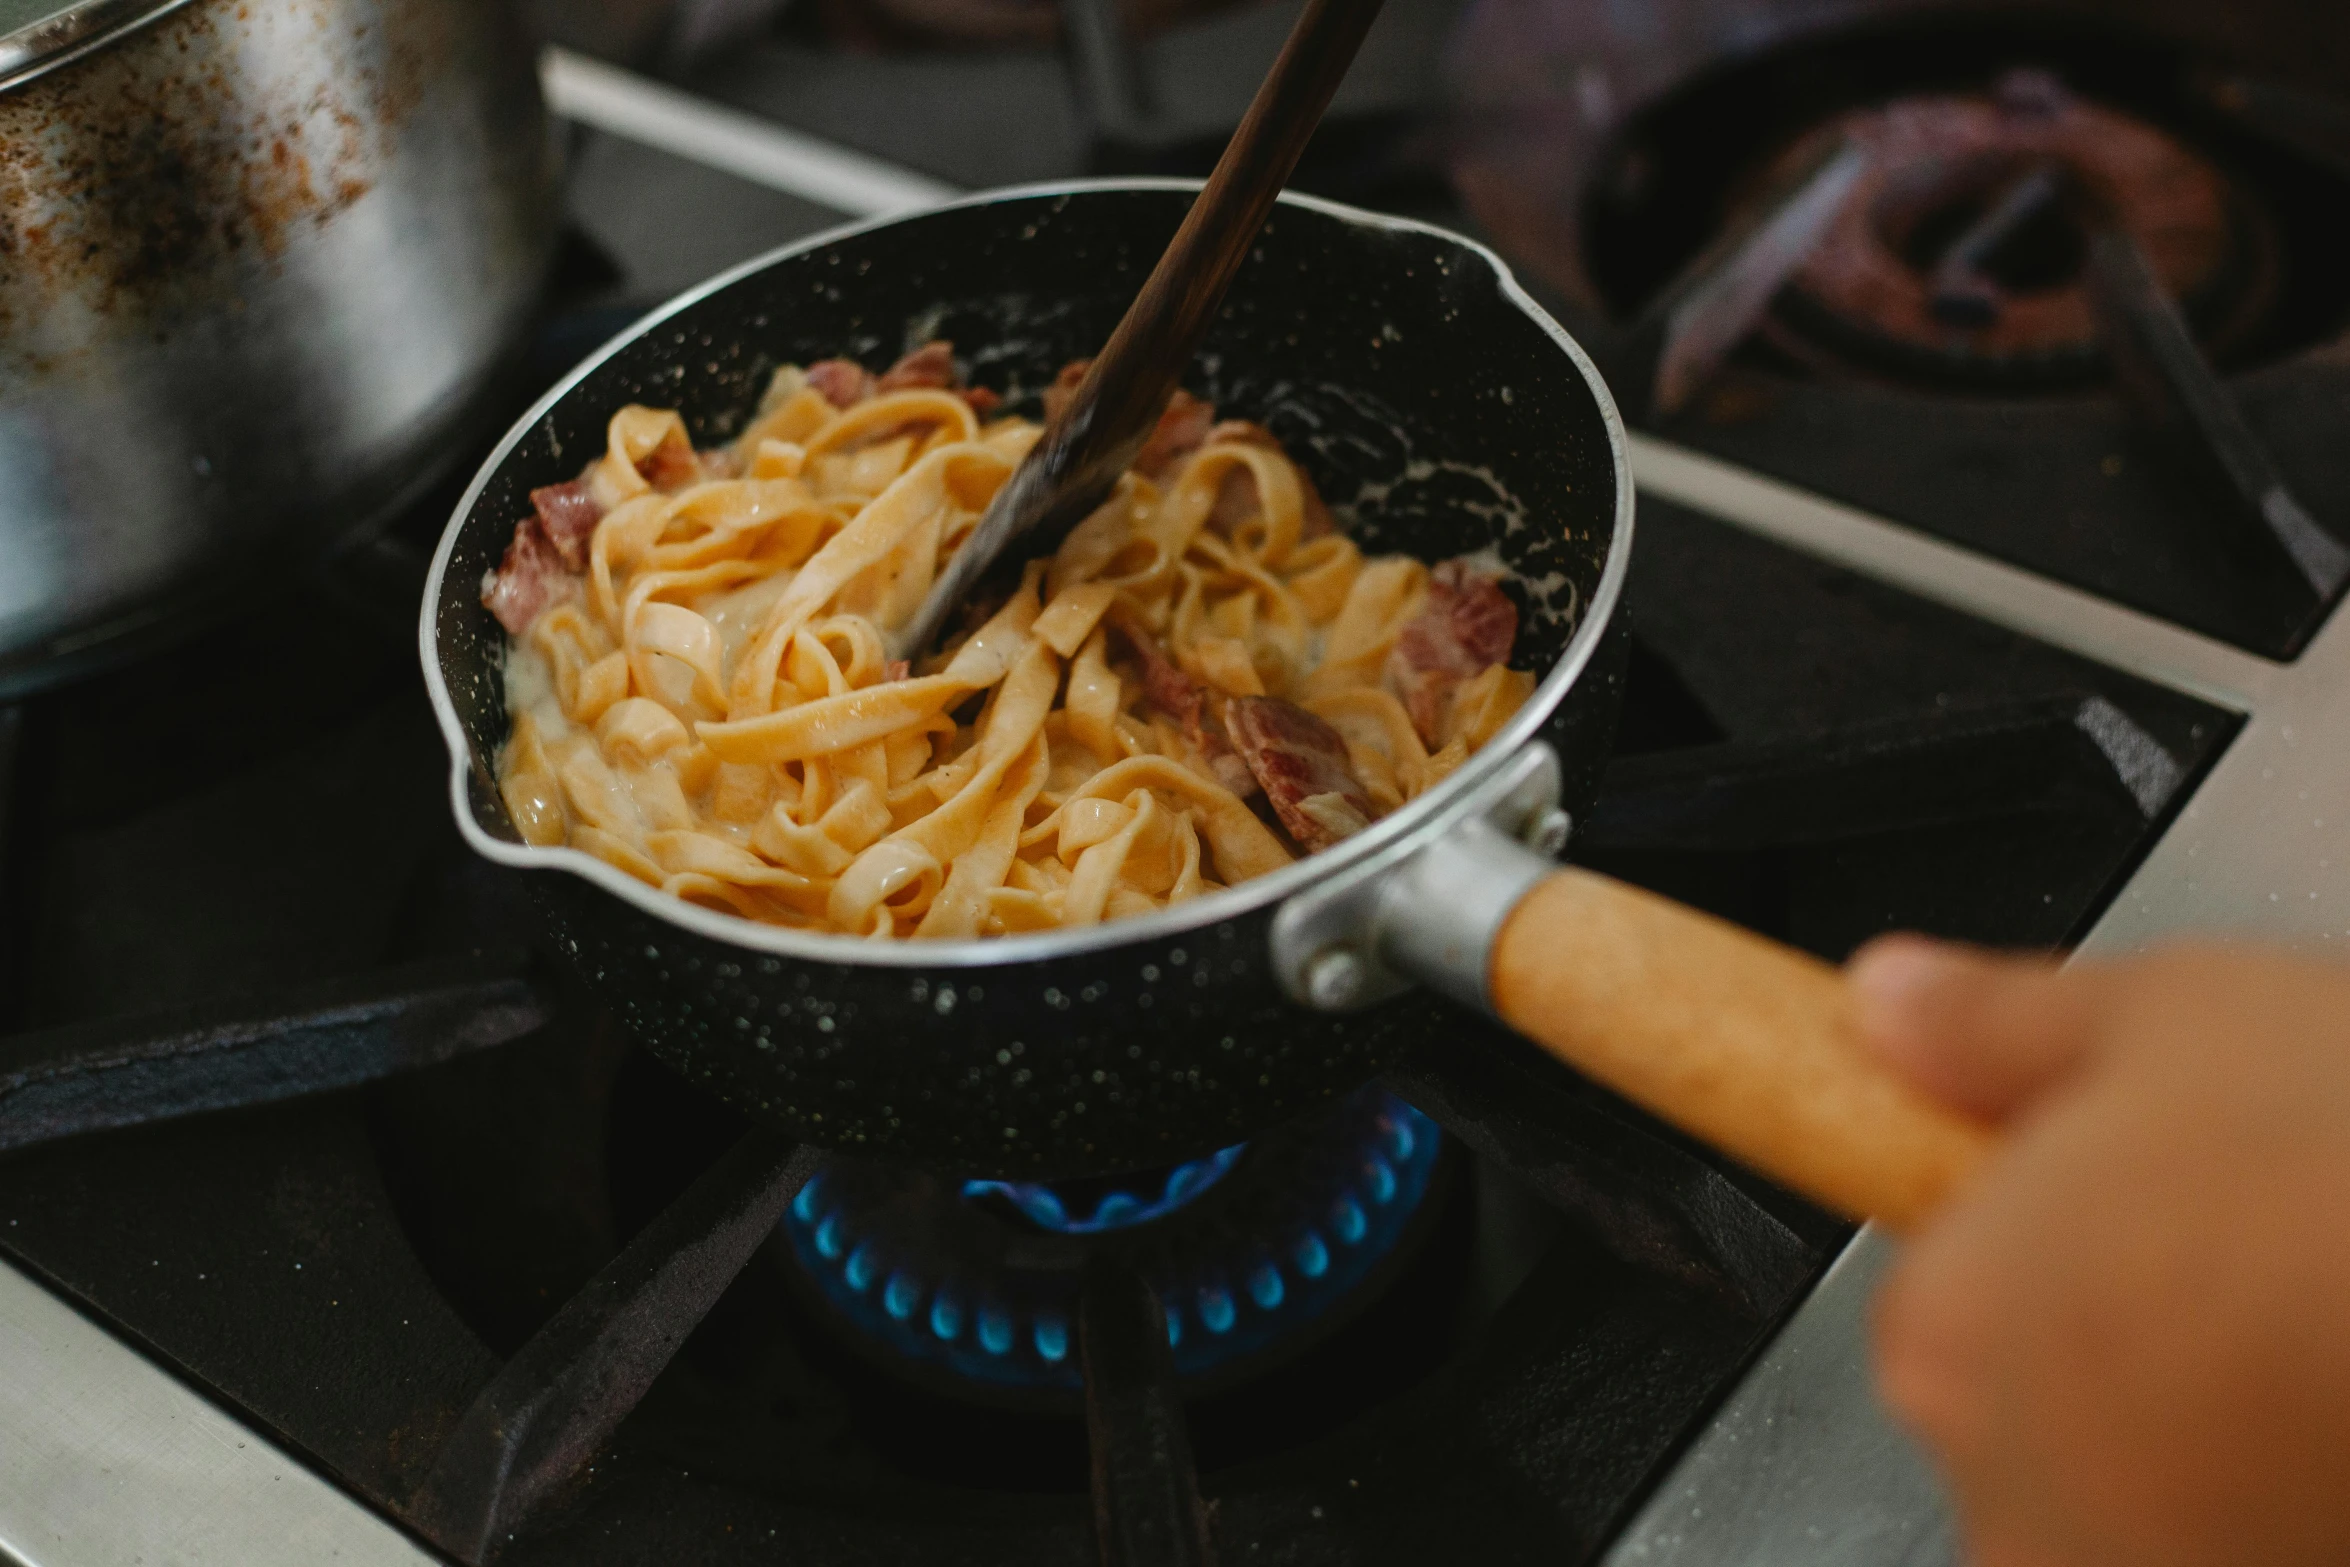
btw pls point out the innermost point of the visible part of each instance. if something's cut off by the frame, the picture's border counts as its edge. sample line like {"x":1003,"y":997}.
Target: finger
{"x":1983,"y":1032}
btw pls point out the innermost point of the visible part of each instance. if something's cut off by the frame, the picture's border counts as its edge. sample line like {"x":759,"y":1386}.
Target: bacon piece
{"x":1466,"y":626}
{"x":1236,"y":501}
{"x":529,"y":579}
{"x":931,"y":365}
{"x":1064,"y":387}
{"x":844,"y":382}
{"x":1185,"y":700}
{"x":1317,"y":523}
{"x":1301,"y":763}
{"x":670,"y":464}
{"x":550,"y":548}
{"x":1223,"y":761}
{"x":569,"y":514}
{"x":897,"y":669}
{"x":1181,"y":430}
{"x":1169,"y":689}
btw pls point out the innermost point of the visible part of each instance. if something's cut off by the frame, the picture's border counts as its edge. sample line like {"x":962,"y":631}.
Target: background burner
{"x":1605,"y":150}
{"x":1606,"y":187}
{"x":1961,"y":253}
{"x":1256,"y":1251}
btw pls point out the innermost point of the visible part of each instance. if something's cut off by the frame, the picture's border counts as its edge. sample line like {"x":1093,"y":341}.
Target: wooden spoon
{"x":1094,"y":439}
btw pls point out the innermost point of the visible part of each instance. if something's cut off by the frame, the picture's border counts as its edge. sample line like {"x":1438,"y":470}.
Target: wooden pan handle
{"x":1735,"y":1039}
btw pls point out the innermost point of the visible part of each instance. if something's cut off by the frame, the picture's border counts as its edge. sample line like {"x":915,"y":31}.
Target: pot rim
{"x":69,"y":30}
{"x":987,"y":952}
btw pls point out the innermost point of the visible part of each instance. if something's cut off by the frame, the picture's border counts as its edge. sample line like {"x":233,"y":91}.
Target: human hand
{"x":2128,"y":1339}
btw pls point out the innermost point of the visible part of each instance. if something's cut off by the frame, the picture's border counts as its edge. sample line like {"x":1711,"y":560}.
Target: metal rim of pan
{"x":62,"y":34}
{"x":993,"y":951}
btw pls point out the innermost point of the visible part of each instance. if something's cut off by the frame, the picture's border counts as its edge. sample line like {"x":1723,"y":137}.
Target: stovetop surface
{"x":348,"y":1270}
{"x":1808,"y":752}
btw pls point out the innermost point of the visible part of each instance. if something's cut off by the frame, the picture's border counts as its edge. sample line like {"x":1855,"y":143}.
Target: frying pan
{"x":1433,"y":402}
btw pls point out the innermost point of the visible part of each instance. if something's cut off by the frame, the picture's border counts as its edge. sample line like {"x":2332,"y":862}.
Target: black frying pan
{"x":1430,"y":399}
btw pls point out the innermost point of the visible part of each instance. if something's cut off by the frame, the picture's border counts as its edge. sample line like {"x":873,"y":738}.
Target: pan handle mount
{"x":1735,"y":1039}
{"x":1356,"y":940}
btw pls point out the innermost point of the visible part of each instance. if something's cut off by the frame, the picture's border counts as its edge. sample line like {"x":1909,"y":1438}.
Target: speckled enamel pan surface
{"x":1440,"y":412}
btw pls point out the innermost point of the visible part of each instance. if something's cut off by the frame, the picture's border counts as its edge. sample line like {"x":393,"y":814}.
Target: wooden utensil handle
{"x":1118,"y":402}
{"x":1096,"y":435}
{"x":1737,"y":1040}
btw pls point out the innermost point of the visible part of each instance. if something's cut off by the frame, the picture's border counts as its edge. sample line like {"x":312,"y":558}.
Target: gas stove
{"x":337,"y":1224}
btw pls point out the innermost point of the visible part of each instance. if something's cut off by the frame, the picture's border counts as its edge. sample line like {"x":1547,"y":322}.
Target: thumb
{"x":1983,"y":1032}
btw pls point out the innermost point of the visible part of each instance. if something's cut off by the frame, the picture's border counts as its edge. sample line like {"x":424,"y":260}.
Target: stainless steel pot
{"x":259,"y":259}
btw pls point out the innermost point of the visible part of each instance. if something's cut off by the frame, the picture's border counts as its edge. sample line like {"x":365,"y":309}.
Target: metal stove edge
{"x":105,"y":1458}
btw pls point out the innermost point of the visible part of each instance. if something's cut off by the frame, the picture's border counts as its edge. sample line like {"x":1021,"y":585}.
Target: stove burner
{"x":1616,"y":163}
{"x":1961,"y":253}
{"x":1256,"y":1251}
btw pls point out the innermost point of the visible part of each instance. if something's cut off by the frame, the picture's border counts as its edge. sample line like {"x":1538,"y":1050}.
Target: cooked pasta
{"x":1206,"y":679}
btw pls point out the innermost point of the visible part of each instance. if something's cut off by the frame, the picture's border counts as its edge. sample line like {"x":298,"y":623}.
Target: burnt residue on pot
{"x":261,"y":262}
{"x":142,"y":176}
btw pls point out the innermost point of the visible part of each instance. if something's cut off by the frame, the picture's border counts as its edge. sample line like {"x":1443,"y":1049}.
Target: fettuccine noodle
{"x":1204,"y":680}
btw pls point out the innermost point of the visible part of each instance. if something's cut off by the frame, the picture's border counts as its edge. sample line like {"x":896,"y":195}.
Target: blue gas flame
{"x":1044,"y":1207}
{"x":1232,"y":1306}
